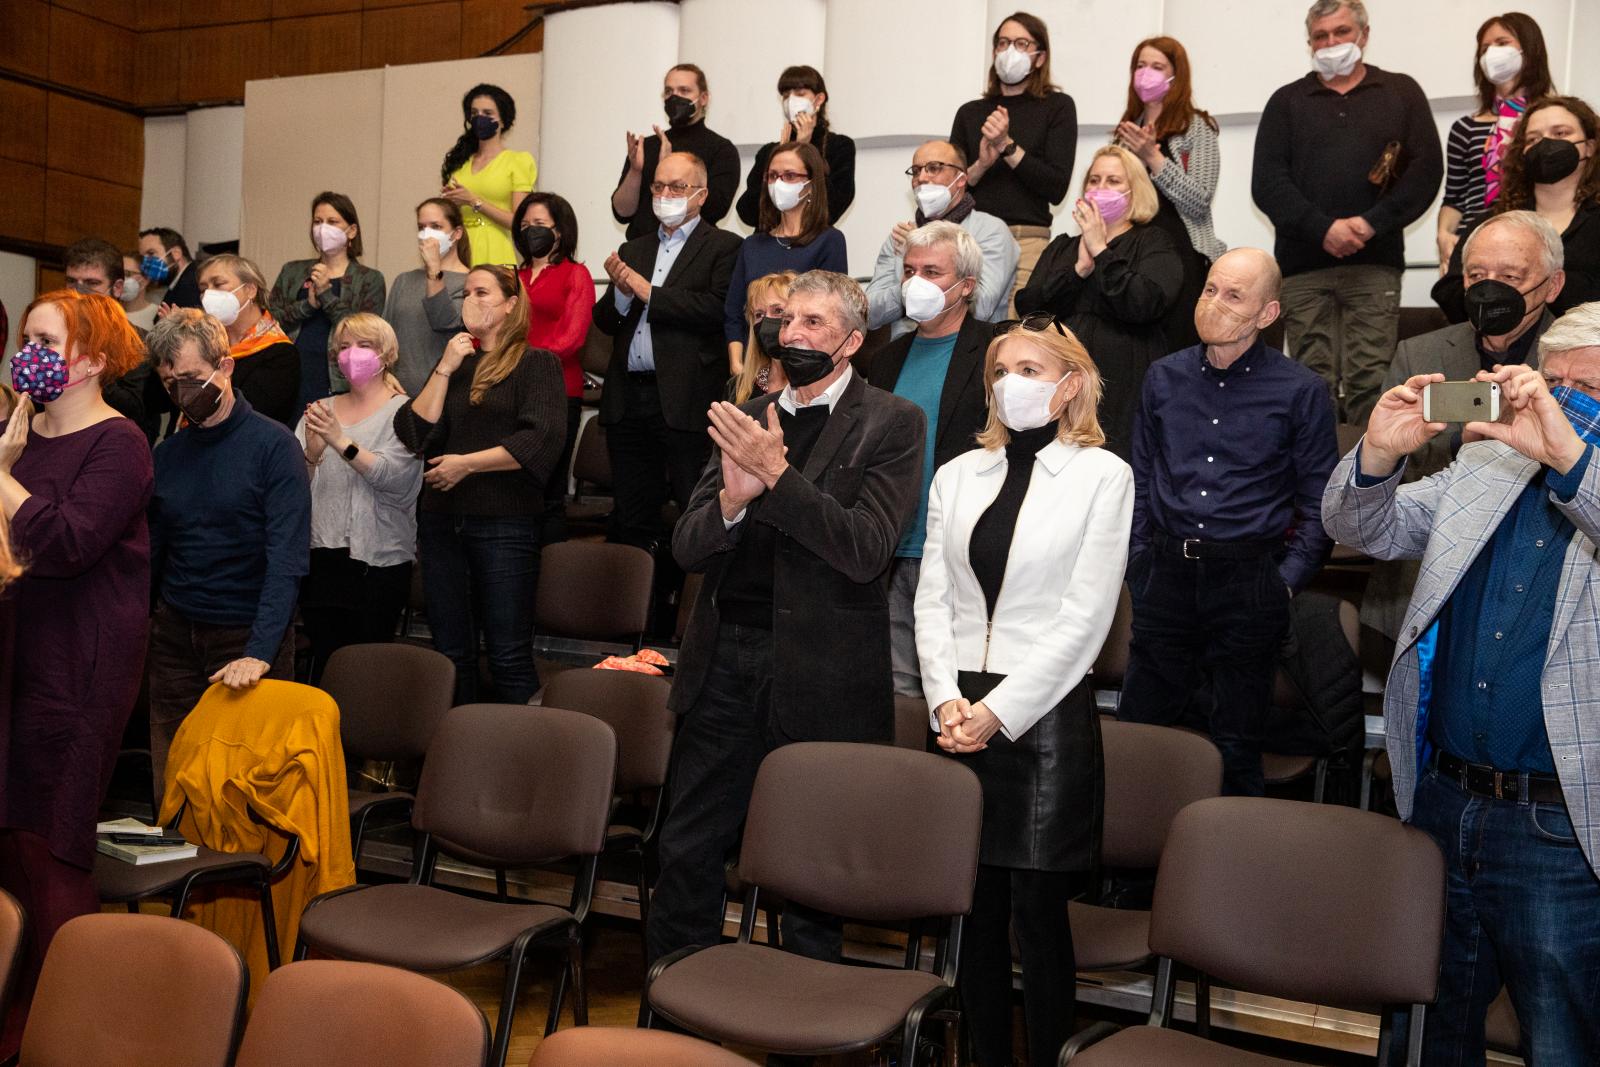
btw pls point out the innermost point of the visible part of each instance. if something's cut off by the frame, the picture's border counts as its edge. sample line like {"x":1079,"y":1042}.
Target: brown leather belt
{"x":1485,"y":781}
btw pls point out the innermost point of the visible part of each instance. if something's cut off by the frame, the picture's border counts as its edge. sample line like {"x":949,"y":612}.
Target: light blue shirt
{"x":641,"y":350}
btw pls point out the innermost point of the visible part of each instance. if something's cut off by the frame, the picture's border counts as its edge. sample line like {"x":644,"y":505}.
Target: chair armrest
{"x":1083,"y":1039}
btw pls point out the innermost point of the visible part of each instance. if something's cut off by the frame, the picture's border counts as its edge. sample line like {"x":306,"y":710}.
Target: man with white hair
{"x":939,"y":183}
{"x":1493,"y":701}
{"x":794,"y":525}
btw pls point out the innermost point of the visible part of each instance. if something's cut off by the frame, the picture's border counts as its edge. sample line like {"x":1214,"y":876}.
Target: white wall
{"x":17,"y":277}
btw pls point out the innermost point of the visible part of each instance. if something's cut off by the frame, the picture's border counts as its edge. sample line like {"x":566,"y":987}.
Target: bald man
{"x":1232,"y":447}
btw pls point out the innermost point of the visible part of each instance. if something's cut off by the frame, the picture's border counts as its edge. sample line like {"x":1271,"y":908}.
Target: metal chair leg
{"x":500,"y":886}
{"x":508,"y":1007}
{"x":1202,"y":1005}
{"x":580,"y":987}
{"x":558,"y":997}
{"x":269,"y":924}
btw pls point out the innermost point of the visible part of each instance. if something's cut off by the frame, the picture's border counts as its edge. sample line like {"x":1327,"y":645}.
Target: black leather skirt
{"x":1043,"y":795}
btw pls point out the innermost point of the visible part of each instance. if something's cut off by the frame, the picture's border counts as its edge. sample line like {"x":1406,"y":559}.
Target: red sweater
{"x":560,"y":310}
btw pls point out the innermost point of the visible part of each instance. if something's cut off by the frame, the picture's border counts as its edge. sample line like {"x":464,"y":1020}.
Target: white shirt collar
{"x":830,"y":396}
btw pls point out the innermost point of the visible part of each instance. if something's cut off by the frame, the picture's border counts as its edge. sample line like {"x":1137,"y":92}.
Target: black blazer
{"x":838,"y":522}
{"x":685,"y":326}
{"x":964,"y":400}
{"x":184,"y":292}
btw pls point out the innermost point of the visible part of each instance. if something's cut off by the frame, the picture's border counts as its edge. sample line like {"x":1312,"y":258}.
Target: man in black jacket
{"x":685,"y":98}
{"x":663,"y":310}
{"x":794,"y":525}
{"x":167,"y":262}
{"x":939,"y":368}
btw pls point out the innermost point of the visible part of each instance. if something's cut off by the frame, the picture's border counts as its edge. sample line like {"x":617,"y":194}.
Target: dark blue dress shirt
{"x":1241,"y":454}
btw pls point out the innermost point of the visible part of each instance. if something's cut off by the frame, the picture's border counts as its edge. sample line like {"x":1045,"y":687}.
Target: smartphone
{"x":1461,"y":402}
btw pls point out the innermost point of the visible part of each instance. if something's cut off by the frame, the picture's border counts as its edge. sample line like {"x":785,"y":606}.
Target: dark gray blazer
{"x":838,"y":521}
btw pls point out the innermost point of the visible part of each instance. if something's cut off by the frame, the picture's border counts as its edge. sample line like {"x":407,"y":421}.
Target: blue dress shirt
{"x":641,"y":349}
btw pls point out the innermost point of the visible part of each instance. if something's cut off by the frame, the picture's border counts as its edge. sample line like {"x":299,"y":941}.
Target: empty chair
{"x":336,"y":1012}
{"x":613,"y":1046}
{"x":594,"y":592}
{"x":1280,"y":769}
{"x":504,"y":786}
{"x":911,"y":728}
{"x":391,"y":699}
{"x":1309,"y":902}
{"x":848,"y":830}
{"x":1151,"y":774}
{"x":591,"y":471}
{"x":1111,"y":665}
{"x":136,"y":991}
{"x":13,"y":931}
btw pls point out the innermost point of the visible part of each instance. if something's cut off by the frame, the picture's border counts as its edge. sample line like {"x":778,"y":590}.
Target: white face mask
{"x":221,"y":304}
{"x":1337,"y":61}
{"x":796,"y":105}
{"x":670,"y":210}
{"x":1013,"y":66}
{"x":933,"y":199}
{"x":1024,"y":403}
{"x":786,"y":195}
{"x":128,"y":291}
{"x":328,"y":238}
{"x":1500,"y":63}
{"x":438,"y":237}
{"x":923,"y":298}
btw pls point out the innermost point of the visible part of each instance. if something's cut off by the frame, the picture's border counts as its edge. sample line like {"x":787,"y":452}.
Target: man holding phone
{"x":1493,"y":702}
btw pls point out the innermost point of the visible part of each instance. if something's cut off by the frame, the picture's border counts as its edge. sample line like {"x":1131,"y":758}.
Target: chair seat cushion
{"x":1140,"y":1046}
{"x":780,"y":1002}
{"x":361,"y":799}
{"x":119,"y":882}
{"x":1108,"y":939}
{"x":422,"y":928}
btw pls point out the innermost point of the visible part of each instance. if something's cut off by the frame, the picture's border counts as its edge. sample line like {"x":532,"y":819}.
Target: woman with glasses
{"x":1026,"y":542}
{"x":803,"y":96}
{"x":1020,"y":138}
{"x":792,"y":233}
{"x":1113,"y":283}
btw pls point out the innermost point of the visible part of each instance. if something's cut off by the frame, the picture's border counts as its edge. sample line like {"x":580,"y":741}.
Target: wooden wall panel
{"x":22,"y":208}
{"x":160,"y":16}
{"x":95,"y":141}
{"x":221,"y":12}
{"x":25,"y":29}
{"x":288,"y":9}
{"x":77,"y":207}
{"x":22,"y":119}
{"x":215,"y":62}
{"x":158,"y":62}
{"x":423,"y":33}
{"x":324,"y":44}
{"x":116,"y":12}
{"x":91,"y":55}
{"x":485,"y":23}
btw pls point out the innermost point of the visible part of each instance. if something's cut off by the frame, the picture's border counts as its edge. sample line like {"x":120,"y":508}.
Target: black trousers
{"x":347,"y":602}
{"x":720,"y":744}
{"x":649,"y":459}
{"x":1034,"y":903}
{"x":1222,"y":618}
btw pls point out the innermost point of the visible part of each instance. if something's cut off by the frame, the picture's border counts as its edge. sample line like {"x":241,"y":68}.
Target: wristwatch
{"x":1009,"y":150}
{"x":351,"y":451}
{"x":436,"y":277}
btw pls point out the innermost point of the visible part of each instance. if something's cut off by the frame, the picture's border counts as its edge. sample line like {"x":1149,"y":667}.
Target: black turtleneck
{"x":990,"y":546}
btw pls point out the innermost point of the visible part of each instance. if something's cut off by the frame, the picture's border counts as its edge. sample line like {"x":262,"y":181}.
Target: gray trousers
{"x":1344,"y":323}
{"x":903,"y":574}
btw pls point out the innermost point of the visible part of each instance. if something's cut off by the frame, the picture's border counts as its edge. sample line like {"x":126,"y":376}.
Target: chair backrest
{"x":616,"y":1046}
{"x":594,"y":592}
{"x":1312,"y":902}
{"x":591,"y":464}
{"x":13,"y":925}
{"x":636,"y":707}
{"x":911,"y":723}
{"x":1111,"y":665}
{"x":865,"y":831}
{"x":509,"y":785}
{"x":137,"y":991}
{"x":1151,"y":774}
{"x":391,"y":698}
{"x":333,"y":1011}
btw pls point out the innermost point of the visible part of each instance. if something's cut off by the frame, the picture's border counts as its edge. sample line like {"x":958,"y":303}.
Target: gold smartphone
{"x":1461,"y":402}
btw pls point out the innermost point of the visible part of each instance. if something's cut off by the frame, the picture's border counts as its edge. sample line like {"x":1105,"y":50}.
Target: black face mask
{"x":1495,"y":308}
{"x":1551,"y":160}
{"x":767,"y":332}
{"x":680,"y":110}
{"x":484,"y":127}
{"x":198,"y":400}
{"x":802,"y":366}
{"x":535,"y":242}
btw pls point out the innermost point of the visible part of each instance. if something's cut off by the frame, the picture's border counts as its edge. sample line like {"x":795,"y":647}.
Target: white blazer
{"x":1060,"y":589}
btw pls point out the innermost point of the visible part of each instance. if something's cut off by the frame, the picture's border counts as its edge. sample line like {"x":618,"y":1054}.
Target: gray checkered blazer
{"x":1446,"y":520}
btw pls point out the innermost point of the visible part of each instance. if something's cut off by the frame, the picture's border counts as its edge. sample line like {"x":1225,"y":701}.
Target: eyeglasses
{"x":675,"y":188}
{"x":934,"y":169}
{"x":1037,"y":321}
{"x":1023,"y":44}
{"x":787,"y":176}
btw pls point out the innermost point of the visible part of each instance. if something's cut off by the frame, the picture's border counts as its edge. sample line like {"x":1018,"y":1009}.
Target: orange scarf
{"x":264,"y":334}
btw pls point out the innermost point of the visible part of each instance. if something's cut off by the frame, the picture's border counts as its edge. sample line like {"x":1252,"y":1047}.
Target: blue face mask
{"x":1582,"y":410}
{"x":156,"y":268}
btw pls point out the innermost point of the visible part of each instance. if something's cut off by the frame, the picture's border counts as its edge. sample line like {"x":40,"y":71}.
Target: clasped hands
{"x":1348,"y":236}
{"x":628,"y":281}
{"x":754,"y":457}
{"x":965,"y":727}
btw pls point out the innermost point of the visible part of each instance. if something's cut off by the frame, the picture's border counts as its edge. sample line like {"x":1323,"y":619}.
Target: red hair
{"x":1177,"y":107}
{"x":96,"y":326}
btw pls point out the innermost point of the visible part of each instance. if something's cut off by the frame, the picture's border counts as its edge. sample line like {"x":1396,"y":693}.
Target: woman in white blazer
{"x":1027,"y":540}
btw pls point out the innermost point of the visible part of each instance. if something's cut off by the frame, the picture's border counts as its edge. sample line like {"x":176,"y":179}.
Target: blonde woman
{"x":364,"y":486}
{"x":1027,"y":538}
{"x":490,"y":425}
{"x":757,"y":373}
{"x":1113,"y":283}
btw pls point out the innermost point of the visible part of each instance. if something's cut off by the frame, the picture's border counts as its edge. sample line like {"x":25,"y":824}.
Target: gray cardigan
{"x":1189,"y":180}
{"x":423,"y":324}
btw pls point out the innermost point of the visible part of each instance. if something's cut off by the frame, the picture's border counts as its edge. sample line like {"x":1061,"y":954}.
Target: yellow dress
{"x":507,"y":174}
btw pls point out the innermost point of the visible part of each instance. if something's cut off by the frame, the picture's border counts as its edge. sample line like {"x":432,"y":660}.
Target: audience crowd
{"x":948,"y":510}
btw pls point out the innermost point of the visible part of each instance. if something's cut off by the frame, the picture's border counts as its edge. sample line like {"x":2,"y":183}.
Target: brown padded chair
{"x":807,"y":838}
{"x":911,"y":723}
{"x":1309,"y":902}
{"x":1151,"y":774}
{"x":335,"y":1012}
{"x":13,"y":928}
{"x":589,"y":512}
{"x":615,"y":1046}
{"x":505,"y":786}
{"x":391,"y":699}
{"x":1279,"y":769}
{"x":1111,"y":665}
{"x":635,"y":705}
{"x":594,"y":592}
{"x":136,"y":991}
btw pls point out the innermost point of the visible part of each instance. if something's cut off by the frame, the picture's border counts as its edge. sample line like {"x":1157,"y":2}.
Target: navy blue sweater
{"x":230,"y":525}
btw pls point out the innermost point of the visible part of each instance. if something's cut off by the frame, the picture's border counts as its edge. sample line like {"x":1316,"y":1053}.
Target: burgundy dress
{"x":81,"y":613}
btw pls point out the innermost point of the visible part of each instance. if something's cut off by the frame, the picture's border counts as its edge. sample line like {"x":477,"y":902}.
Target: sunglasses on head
{"x":1036,"y":321}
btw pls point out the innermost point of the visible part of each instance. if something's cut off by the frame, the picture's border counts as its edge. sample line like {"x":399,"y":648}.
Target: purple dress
{"x":81,"y":613}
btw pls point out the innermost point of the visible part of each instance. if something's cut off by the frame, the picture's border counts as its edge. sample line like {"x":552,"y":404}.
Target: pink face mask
{"x":359,"y":364}
{"x":1112,"y":203}
{"x":1150,"y":83}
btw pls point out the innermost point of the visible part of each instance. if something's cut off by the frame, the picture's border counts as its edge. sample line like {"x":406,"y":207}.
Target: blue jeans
{"x":1523,"y":910}
{"x":480,"y":573}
